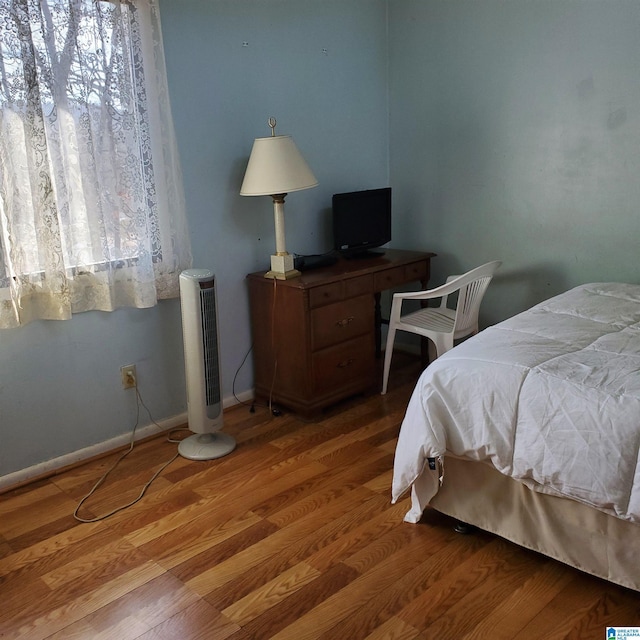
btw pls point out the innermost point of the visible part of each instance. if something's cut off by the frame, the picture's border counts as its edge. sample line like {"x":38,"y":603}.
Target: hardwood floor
{"x":291,"y":536}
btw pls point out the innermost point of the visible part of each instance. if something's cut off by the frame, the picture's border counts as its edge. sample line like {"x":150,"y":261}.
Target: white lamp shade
{"x":276,"y":166}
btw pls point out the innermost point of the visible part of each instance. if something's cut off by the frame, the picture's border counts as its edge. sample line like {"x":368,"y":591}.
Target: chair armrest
{"x":451,"y":286}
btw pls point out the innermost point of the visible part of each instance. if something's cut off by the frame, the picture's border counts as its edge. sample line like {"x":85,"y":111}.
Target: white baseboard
{"x":49,"y":467}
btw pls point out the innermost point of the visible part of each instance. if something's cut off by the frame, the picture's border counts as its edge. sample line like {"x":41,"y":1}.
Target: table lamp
{"x":277,"y":168}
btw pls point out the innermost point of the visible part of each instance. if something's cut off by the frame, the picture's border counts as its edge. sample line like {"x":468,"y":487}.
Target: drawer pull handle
{"x":345,"y":363}
{"x":345,"y":321}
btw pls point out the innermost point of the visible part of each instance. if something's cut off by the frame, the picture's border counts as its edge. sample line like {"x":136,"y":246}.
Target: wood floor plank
{"x":609,"y":610}
{"x":261,"y":428}
{"x":249,"y":480}
{"x":389,"y":447}
{"x":343,"y":525}
{"x":309,"y":549}
{"x":251,"y":580}
{"x":172,"y":522}
{"x":57,"y":546}
{"x":388,"y":431}
{"x":494,"y":580}
{"x":432,"y":560}
{"x":41,"y":618}
{"x":362,"y":434}
{"x":299,"y":499}
{"x":360,"y":537}
{"x":98,"y":564}
{"x":200,"y":538}
{"x":330,"y":497}
{"x":565,"y":612}
{"x":80,"y":630}
{"x":381,"y":483}
{"x":526,"y":601}
{"x":310,"y":436}
{"x":234,"y":490}
{"x":330,"y":614}
{"x":393,"y":629}
{"x":219,"y":557}
{"x":156,"y":506}
{"x":42,"y":532}
{"x":305,"y":600}
{"x":291,"y":536}
{"x":121,"y":496}
{"x":12,"y":502}
{"x":454,"y":585}
{"x":253,"y":496}
{"x":27,"y":517}
{"x":133,"y":468}
{"x":23,"y":596}
{"x":281,"y":539}
{"x":399,"y":539}
{"x":349,"y":451}
{"x":244,"y":487}
{"x":271,"y":594}
{"x":5,"y":549}
{"x":142,"y":609}
{"x":330,"y":485}
{"x":199,"y":621}
{"x":249,"y":456}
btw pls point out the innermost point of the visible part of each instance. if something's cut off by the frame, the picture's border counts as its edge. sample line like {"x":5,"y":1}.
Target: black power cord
{"x":253,"y":404}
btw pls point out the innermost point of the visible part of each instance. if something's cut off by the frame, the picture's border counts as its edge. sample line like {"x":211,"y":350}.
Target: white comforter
{"x":550,"y":397}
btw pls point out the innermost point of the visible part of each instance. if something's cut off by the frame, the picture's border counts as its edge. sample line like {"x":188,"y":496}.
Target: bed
{"x":531,"y":430}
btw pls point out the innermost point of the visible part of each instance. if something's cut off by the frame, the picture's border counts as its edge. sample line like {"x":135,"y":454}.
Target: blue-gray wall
{"x":507,"y":129}
{"x":320,"y":68}
{"x":515,"y":135}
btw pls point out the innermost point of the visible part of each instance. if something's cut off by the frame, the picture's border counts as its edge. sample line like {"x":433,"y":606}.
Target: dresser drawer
{"x":389,"y":278}
{"x":341,"y":321}
{"x":325,"y":294}
{"x":348,"y":365}
{"x":415,"y":271}
{"x":358,"y":286}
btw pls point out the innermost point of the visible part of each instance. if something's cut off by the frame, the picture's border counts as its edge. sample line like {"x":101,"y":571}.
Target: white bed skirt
{"x":563,"y":529}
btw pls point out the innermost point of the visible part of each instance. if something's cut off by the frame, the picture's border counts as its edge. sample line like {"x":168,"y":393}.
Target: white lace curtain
{"x":92,"y":211}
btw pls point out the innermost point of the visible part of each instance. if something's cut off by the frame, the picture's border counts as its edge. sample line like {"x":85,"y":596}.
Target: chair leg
{"x":432,"y":352}
{"x":388,"y":352}
{"x":442,"y":343}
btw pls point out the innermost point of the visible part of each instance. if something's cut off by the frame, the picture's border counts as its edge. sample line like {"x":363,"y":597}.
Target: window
{"x":92,"y":211}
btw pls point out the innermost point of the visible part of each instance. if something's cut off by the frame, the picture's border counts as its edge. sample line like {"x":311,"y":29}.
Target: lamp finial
{"x":272,"y":124}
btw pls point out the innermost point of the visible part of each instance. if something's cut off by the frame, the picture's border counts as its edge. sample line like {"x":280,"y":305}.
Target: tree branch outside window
{"x":92,"y":211}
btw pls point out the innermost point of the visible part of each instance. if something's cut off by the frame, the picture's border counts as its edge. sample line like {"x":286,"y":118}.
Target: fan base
{"x":206,"y":446}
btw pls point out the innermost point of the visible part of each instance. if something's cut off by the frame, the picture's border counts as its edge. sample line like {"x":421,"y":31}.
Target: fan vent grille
{"x":210,"y":345}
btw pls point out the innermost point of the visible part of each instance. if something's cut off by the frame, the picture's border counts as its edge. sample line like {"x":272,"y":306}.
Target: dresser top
{"x":351,"y":268}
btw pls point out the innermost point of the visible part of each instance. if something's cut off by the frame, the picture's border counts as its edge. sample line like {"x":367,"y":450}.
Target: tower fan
{"x":202,"y":368}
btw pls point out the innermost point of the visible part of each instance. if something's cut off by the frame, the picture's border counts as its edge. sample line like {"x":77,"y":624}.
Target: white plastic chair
{"x":441,"y":324}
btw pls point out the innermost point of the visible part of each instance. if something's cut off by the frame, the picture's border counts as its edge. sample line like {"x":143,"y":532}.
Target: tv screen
{"x":361,"y":221}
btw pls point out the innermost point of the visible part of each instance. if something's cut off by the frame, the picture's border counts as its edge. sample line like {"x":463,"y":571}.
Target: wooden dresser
{"x":316,"y":337}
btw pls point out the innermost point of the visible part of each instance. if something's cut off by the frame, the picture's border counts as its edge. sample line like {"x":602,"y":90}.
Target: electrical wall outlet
{"x":129,"y":378}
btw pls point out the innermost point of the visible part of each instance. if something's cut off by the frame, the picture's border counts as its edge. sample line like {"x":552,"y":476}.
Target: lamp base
{"x":276,"y":275}
{"x":282,"y":267}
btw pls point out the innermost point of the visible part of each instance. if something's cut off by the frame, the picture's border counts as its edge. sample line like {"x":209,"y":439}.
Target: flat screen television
{"x":361,"y":222}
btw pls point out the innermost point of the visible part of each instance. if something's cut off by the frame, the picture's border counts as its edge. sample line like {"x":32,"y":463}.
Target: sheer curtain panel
{"x":92,"y":212}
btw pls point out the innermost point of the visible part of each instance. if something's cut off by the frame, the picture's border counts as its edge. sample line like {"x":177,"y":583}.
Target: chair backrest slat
{"x":468,"y":307}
